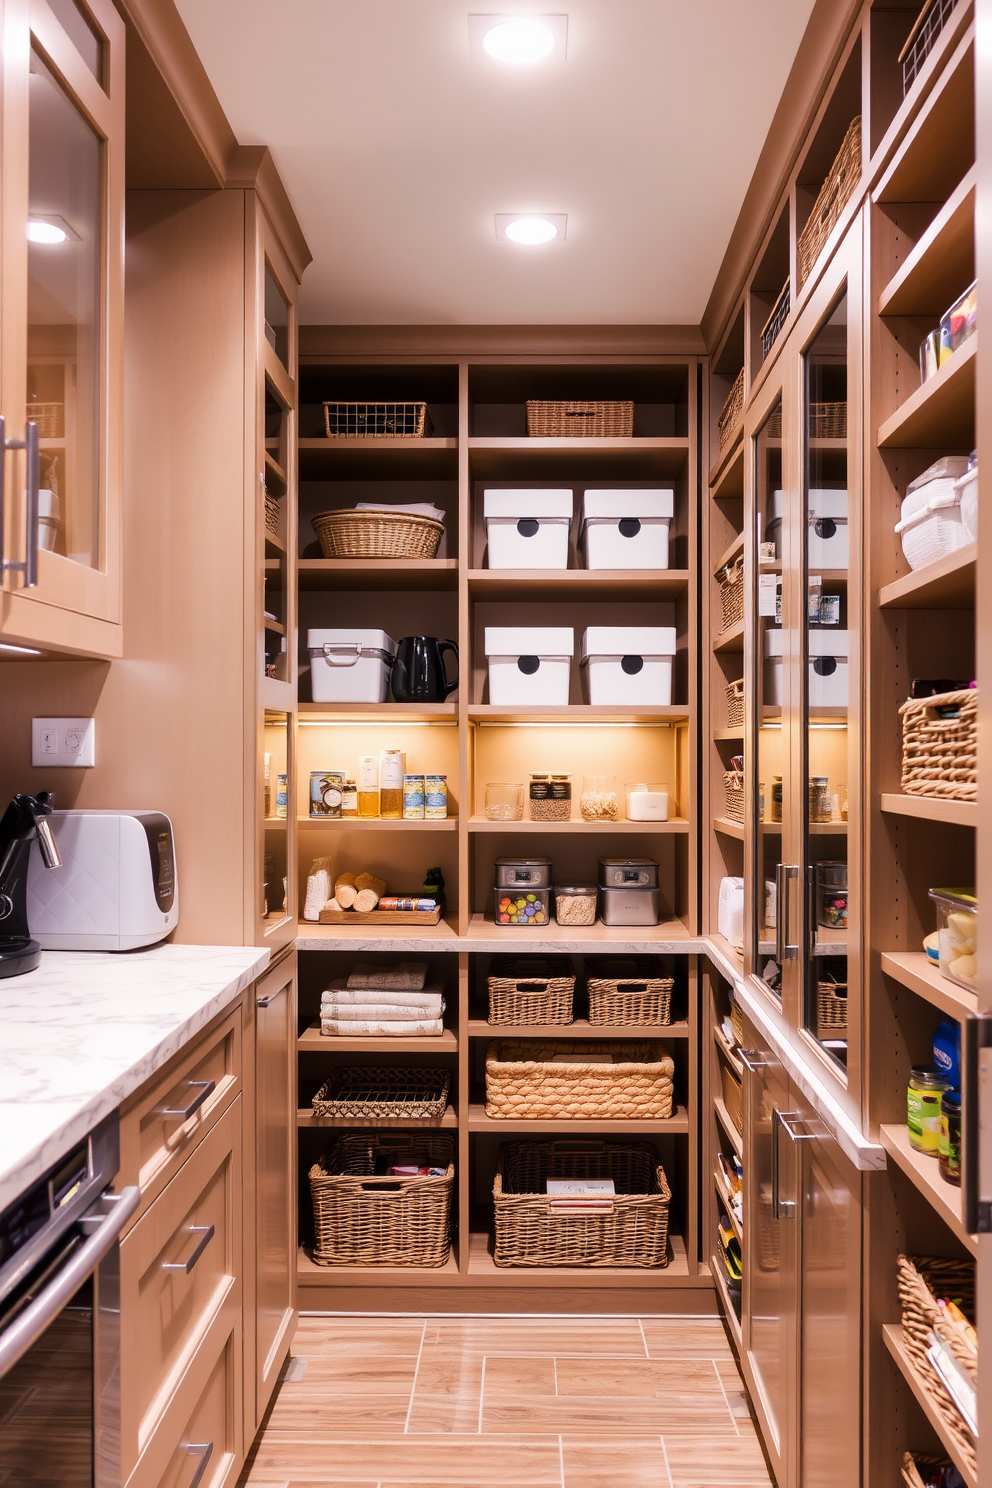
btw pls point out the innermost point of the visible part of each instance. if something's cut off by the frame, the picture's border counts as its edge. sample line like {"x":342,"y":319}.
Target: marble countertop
{"x":84,"y":1031}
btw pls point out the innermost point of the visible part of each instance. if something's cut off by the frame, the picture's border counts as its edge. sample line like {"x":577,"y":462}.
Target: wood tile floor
{"x":509,"y":1402}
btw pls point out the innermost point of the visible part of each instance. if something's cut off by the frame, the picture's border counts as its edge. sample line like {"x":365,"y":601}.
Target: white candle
{"x":647,"y":802}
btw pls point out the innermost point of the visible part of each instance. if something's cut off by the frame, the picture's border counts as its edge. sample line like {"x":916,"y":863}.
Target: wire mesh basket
{"x":775,"y":322}
{"x":921,"y":40}
{"x":377,"y":421}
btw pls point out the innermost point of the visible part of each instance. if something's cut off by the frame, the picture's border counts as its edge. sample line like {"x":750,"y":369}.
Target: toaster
{"x":116,"y":889}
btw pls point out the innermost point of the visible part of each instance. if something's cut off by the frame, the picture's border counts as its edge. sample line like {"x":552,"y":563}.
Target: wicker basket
{"x":272,"y":513}
{"x":735,"y":703}
{"x":522,"y":1081}
{"x":733,"y":787}
{"x":780,"y":314}
{"x":625,"y":992}
{"x":737,"y":1021}
{"x":410,"y":1094}
{"x":363,"y":534}
{"x":831,"y":1009}
{"x":920,"y":41}
{"x":361,"y":1220}
{"x":922,"y":1279}
{"x":826,"y":421}
{"x":733,"y":1096}
{"x":528,"y":992}
{"x":585,"y":419}
{"x":730,"y":415}
{"x":50,"y":418}
{"x":731,"y":581}
{"x":940,"y":754}
{"x":917,"y":1466}
{"x":634,"y":1232}
{"x":377,"y":421}
{"x":834,"y":195}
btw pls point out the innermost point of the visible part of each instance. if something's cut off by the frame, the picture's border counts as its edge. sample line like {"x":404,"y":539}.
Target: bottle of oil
{"x":392,"y":768}
{"x":368,"y":785}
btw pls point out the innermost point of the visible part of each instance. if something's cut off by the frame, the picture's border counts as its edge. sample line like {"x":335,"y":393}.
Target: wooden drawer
{"x":180,"y":1270}
{"x":155,"y":1138}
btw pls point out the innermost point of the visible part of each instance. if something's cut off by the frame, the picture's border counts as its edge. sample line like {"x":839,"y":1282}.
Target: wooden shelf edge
{"x":718,"y":1272}
{"x":930,"y":808}
{"x":655,"y":1126}
{"x":312,"y":1041}
{"x":892,"y":1336}
{"x":955,"y":382}
{"x":675,"y":826}
{"x":728,"y":556}
{"x":728,"y":828}
{"x":915,"y":970}
{"x":727,"y":1052}
{"x":731,"y":639}
{"x":729,"y":1127}
{"x":930,"y":588}
{"x":956,"y":217}
{"x":924,"y":1173}
{"x":377,"y":824}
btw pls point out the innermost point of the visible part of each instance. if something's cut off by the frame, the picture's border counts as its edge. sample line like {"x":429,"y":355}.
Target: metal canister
{"x":413,"y":797}
{"x":326,"y":789}
{"x":436,"y":796}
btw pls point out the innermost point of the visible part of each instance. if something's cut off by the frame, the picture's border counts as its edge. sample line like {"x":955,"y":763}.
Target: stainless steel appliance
{"x":628,"y":891}
{"x":60,"y":1322}
{"x":530,"y":873}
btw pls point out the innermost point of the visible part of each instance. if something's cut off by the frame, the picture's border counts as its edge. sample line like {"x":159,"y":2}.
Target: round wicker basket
{"x":362,"y":534}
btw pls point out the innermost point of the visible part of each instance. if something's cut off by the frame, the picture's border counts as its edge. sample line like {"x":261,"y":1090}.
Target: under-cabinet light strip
{"x":391,"y":722}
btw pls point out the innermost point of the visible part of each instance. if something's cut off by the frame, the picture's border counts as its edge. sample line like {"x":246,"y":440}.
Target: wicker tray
{"x":922,"y":1279}
{"x":780,"y":314}
{"x":621,"y":993}
{"x":733,"y":788}
{"x":528,"y":992}
{"x":731,"y":581}
{"x":522,"y":1081}
{"x":528,"y":1233}
{"x":940,"y":755}
{"x":579,"y":419}
{"x":730,"y":414}
{"x":377,"y":421}
{"x":362,"y":534}
{"x":361,"y":1220}
{"x":916,"y":1464}
{"x":420,"y":1094}
{"x":831,"y":1009}
{"x":833,"y":197}
{"x":735,"y":703}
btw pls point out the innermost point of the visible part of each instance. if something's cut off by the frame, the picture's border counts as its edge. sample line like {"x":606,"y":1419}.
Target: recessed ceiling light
{"x":531,"y":228}
{"x":50,"y":229}
{"x":519,"y":40}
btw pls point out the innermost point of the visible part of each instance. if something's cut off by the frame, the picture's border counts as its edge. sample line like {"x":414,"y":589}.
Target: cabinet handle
{"x":976,"y":1035}
{"x":203,"y":1450}
{"x":750,"y":1060}
{"x":205,"y":1089}
{"x":794,"y":1136}
{"x":29,"y":567}
{"x":263,"y":1002}
{"x":778,"y":1207}
{"x":207,"y":1232}
{"x":781,"y":911}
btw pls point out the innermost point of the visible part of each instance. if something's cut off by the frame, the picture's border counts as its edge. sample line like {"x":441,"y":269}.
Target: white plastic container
{"x":932,"y":521}
{"x":828,"y":668}
{"x":528,"y":529}
{"x":350,"y":666}
{"x":828,"y":538}
{"x":529,"y":665}
{"x":967,"y":489}
{"x":629,"y":663}
{"x":626,"y":529}
{"x":730,"y":911}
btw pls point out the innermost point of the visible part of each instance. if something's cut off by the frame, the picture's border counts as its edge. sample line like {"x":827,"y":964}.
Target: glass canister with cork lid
{"x":550,"y":797}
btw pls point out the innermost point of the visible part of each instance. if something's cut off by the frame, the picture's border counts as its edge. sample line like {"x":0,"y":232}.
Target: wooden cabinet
{"x":61,"y":339}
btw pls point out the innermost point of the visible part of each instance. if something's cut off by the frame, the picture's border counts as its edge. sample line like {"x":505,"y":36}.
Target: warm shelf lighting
{"x":531,"y":228}
{"x":520,"y":40}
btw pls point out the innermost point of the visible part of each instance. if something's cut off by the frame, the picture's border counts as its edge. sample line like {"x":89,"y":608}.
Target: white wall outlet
{"x":63,"y":742}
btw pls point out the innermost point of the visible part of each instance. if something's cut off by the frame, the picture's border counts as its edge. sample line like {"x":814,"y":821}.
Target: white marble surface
{"x":86,"y":1029}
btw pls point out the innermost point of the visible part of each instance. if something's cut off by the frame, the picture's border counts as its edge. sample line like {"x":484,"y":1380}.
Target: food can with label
{"x":326,"y":790}
{"x":435,"y":796}
{"x":282,"y":796}
{"x":413,"y":797}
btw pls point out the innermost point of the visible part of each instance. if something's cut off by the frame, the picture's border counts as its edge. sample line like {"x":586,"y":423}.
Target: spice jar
{"x":923,"y":1097}
{"x":598,"y":801}
{"x":550,"y":797}
{"x":949,"y":1144}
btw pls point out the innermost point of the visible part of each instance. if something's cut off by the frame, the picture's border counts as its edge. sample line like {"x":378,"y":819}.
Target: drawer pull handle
{"x":263,"y":1002}
{"x":203,"y":1450}
{"x":204,"y":1089}
{"x":207,"y":1232}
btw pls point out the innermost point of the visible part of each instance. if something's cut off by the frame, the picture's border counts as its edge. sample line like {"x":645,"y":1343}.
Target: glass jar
{"x":949,"y":1144}
{"x":776,"y":798}
{"x":820,"y":802}
{"x":368,"y":785}
{"x":575,"y":904}
{"x":923,"y":1098}
{"x":349,"y":798}
{"x":598,"y":801}
{"x":413,"y":797}
{"x":392,"y":768}
{"x":504,"y":801}
{"x":523,"y":907}
{"x":831,"y":895}
{"x":647,"y":801}
{"x":550,"y":797}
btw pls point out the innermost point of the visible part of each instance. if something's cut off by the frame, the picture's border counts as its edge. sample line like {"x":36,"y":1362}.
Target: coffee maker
{"x":25,"y":819}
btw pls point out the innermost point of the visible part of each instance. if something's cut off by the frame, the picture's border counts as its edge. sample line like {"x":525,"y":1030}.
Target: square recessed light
{"x":518,"y":40}
{"x":531,"y":228}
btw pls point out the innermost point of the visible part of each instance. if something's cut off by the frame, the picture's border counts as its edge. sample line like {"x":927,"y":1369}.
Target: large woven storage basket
{"x":410,"y":1094}
{"x":922,"y":1280}
{"x":732,"y":411}
{"x":629,"y":991}
{"x":733,"y":789}
{"x":362,"y":534}
{"x":916,"y":1467}
{"x":731,"y":581}
{"x":735,"y":703}
{"x":529,"y":992}
{"x":522,"y":1080}
{"x":634,"y":1232}
{"x":831,"y":1008}
{"x":579,"y":419}
{"x":940,"y":746}
{"x":377,"y":421}
{"x":826,"y":421}
{"x":362,"y":1220}
{"x":833,"y":197}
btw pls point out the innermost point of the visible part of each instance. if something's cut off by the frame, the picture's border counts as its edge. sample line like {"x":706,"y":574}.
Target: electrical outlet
{"x":63,"y":742}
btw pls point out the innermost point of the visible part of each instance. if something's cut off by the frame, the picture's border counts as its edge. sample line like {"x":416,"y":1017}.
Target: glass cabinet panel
{"x":276,"y":317}
{"x":276,"y":806}
{"x":275,"y":588}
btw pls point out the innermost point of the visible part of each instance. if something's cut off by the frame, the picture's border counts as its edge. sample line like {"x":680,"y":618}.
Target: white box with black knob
{"x":527,"y":529}
{"x":529,"y":665}
{"x":628,"y":664}
{"x":626,"y":529}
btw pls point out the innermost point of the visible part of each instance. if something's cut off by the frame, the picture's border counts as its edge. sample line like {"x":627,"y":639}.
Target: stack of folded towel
{"x":377,"y":1001}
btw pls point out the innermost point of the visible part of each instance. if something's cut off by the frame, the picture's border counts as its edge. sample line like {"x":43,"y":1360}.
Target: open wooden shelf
{"x":893,"y":1339}
{"x":924,"y":1173}
{"x":728,"y":735}
{"x":724,"y":1194}
{"x":275,"y":471}
{"x":581,"y":1028}
{"x":379,"y":712}
{"x":731,"y":640}
{"x":675,"y":826}
{"x":726,"y":478}
{"x":579,"y":713}
{"x":941,"y":413}
{"x":376,"y":824}
{"x":373,"y":459}
{"x":915,"y":970}
{"x":597,"y":937}
{"x":550,"y":584}
{"x":941,"y":264}
{"x":274,"y":546}
{"x":403,"y":574}
{"x":728,"y":828}
{"x":729,"y":1128}
{"x":309,"y":1274}
{"x":511,"y":457}
{"x":729,"y":554}
{"x":312,"y":1041}
{"x":948,"y":584}
{"x":929,"y":808}
{"x":677,"y":1124}
{"x":276,"y":626}
{"x":343,"y":937}
{"x":676,"y":1273}
{"x":727,"y":1052}
{"x":719,"y":1274}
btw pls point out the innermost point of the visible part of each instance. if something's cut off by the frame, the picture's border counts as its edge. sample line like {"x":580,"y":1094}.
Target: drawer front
{"x":156,"y":1134}
{"x":180,"y":1269}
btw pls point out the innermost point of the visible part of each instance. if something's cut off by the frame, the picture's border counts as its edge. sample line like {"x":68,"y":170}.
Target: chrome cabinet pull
{"x":207,"y":1232}
{"x":781,"y":911}
{"x":752,"y":1061}
{"x":780,"y":1206}
{"x":790,"y":1120}
{"x":203,"y":1450}
{"x":263,"y":1002}
{"x":29,"y":568}
{"x":205,"y":1089}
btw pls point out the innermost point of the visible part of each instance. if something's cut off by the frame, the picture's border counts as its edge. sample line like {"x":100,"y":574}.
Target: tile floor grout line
{"x":723,"y":1391}
{"x":413,"y":1385}
{"x":647,"y":1351}
{"x":668,"y":1465}
{"x":482,"y":1394}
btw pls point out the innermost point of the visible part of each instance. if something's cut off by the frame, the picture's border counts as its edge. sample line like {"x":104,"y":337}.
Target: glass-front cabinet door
{"x":61,"y":230}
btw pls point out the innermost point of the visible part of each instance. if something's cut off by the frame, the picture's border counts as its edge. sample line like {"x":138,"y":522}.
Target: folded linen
{"x":408,"y":976}
{"x":345,"y":996}
{"x":330,"y":1027}
{"x":390,"y":1011}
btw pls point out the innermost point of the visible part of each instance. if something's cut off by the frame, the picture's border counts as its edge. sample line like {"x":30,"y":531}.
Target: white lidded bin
{"x":827,"y":536}
{"x":528,"y":529}
{"x":626,"y":529}
{"x":730,"y":911}
{"x":629,"y":663}
{"x":932,"y":521}
{"x":350,"y":666}
{"x":828,"y":668}
{"x":529,"y":664}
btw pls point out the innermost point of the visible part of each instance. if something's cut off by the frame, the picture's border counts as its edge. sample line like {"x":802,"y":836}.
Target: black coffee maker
{"x":24,"y":820}
{"x":418,"y":674}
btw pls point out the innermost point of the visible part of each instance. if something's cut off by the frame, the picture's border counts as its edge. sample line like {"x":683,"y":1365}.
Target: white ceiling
{"x":397,"y":150}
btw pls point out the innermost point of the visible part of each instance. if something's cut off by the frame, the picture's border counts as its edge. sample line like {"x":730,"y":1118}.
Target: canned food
{"x":282,"y":795}
{"x":326,"y":792}
{"x":413,"y":797}
{"x":435,"y":796}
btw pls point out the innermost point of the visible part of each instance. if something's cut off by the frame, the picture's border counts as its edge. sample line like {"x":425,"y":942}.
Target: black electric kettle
{"x":418,"y":674}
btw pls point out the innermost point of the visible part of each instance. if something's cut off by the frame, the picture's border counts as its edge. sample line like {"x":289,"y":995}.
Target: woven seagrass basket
{"x":730,"y":414}
{"x":940,"y":746}
{"x":922,"y":1280}
{"x":731,"y":580}
{"x":522,"y":992}
{"x":733,"y":787}
{"x":585,"y":419}
{"x":833,"y":197}
{"x":362,"y":1220}
{"x":413,"y":1094}
{"x":633,"y":1232}
{"x":629,"y":994}
{"x":272,"y":513}
{"x":522,"y":1080}
{"x":916,"y":1467}
{"x":826,"y":421}
{"x":362,"y":534}
{"x":735,"y":703}
{"x":377,"y":421}
{"x":831,"y":1009}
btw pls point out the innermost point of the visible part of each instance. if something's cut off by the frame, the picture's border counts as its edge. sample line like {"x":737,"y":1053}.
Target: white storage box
{"x":730,"y":911}
{"x":828,"y":544}
{"x":932,"y":521}
{"x":350,"y":666}
{"x":529,"y":664}
{"x":828,"y":671}
{"x":527,"y":529}
{"x":626,"y":529}
{"x":629,"y":663}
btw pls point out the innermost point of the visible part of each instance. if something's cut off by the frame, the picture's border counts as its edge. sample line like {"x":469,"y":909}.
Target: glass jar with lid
{"x":550,"y":797}
{"x":923,"y":1099}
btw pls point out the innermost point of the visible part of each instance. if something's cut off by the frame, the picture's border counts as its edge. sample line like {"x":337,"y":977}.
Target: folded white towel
{"x":318,"y":893}
{"x":390,"y":1011}
{"x":330,"y":1027}
{"x":408,"y":976}
{"x":344,"y":996}
{"x":418,"y":508}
